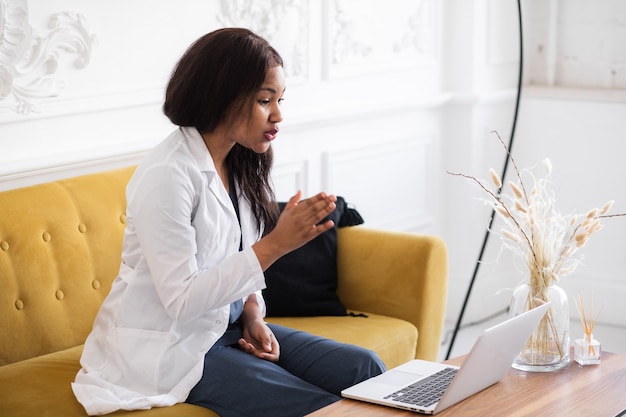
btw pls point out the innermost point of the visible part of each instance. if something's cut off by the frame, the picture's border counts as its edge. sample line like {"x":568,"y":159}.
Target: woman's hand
{"x":258,"y":340}
{"x":298,"y":224}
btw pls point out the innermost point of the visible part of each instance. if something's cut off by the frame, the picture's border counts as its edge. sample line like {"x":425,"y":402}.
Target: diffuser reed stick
{"x":588,"y":321}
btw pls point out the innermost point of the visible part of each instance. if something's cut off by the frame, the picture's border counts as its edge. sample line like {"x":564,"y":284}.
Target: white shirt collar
{"x":198,"y":149}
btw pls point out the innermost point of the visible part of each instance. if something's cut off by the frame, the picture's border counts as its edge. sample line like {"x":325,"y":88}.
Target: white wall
{"x":383,"y":98}
{"x":481,"y":71}
{"x":573,"y":109}
{"x":356,"y":101}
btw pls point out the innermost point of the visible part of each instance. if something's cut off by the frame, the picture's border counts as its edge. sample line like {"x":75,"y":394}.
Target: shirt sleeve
{"x":163,"y":204}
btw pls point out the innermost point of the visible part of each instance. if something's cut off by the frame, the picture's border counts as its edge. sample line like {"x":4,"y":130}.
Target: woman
{"x":184,"y":318}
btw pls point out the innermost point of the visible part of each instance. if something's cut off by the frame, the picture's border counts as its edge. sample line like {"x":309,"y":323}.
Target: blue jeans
{"x":309,"y":375}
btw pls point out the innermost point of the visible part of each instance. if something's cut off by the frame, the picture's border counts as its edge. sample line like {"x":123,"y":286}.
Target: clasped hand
{"x":259,"y":340}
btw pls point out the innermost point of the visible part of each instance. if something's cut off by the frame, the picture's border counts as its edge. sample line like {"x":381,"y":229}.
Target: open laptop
{"x":487,"y":362}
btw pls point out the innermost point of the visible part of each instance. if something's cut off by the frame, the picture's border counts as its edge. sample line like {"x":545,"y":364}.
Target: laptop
{"x":487,"y":362}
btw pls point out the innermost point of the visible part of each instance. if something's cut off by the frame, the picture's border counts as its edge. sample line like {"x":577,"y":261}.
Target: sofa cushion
{"x":304,"y":282}
{"x":60,"y":251}
{"x":393,"y":339}
{"x":41,"y":387}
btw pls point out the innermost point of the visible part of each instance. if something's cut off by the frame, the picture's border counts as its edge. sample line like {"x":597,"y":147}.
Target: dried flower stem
{"x":536,"y":231}
{"x":499,"y":204}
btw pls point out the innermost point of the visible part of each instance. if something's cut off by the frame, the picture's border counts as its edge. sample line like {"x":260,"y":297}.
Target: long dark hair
{"x":215,"y":80}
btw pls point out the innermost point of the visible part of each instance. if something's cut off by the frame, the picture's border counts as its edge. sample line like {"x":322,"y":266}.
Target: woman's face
{"x":257,"y":131}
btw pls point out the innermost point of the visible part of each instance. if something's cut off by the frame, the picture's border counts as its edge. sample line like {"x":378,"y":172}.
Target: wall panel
{"x":389,"y":183}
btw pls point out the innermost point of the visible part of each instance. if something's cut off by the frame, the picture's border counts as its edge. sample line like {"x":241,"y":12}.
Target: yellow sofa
{"x":60,"y":247}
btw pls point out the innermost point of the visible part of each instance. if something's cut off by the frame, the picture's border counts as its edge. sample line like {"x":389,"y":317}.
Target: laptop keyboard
{"x":427,"y":391}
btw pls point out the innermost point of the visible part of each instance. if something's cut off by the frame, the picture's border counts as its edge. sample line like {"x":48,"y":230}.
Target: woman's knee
{"x":367,"y":363}
{"x":376,"y":364}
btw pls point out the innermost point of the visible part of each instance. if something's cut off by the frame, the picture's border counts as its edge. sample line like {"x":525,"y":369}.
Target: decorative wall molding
{"x":66,"y":169}
{"x":389,"y":36}
{"x":284,"y":23}
{"x":408,"y":198}
{"x":290,"y":177}
{"x":344,"y":44}
{"x":418,"y":35}
{"x":63,"y":106}
{"x":29,"y":62}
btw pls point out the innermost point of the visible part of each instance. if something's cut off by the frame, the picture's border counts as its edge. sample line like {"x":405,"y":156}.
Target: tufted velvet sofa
{"x":60,"y":247}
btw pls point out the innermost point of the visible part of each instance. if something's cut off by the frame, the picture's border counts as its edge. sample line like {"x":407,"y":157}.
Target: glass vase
{"x":548,"y":348}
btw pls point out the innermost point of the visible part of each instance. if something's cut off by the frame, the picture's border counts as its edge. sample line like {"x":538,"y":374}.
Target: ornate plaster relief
{"x":284,"y":23}
{"x":29,"y":61}
{"x":385,"y":36}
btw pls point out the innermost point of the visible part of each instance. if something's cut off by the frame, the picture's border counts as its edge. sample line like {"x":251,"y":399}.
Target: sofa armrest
{"x":396,"y":274}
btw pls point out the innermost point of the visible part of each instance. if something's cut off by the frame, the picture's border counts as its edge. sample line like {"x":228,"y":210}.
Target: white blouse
{"x":181,"y":268}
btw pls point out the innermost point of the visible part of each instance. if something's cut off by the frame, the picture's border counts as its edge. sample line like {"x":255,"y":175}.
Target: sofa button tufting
{"x":82,"y":228}
{"x":4,"y":245}
{"x":46,"y":237}
{"x":19,"y":304}
{"x":95,"y":284}
{"x":59,"y":294}
{"x":123,"y":218}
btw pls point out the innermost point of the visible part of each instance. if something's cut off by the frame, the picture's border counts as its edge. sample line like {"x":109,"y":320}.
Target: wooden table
{"x":592,"y":390}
